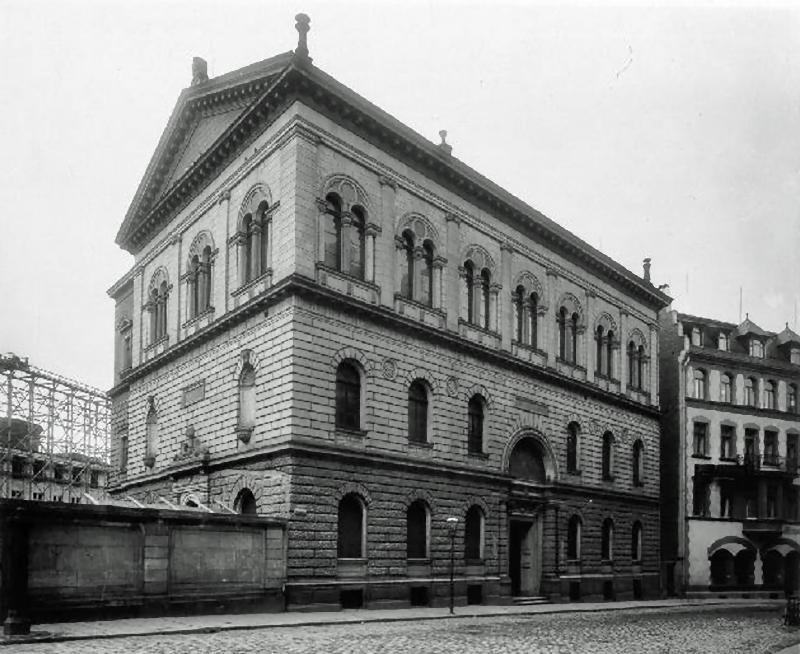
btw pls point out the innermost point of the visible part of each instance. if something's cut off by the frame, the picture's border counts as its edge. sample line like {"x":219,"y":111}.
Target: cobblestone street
{"x":737,"y":631}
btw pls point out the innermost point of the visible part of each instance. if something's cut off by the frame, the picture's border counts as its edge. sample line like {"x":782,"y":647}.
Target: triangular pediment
{"x":202,"y":114}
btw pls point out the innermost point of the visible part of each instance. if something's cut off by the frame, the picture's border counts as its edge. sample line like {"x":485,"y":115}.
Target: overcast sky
{"x":664,"y":130}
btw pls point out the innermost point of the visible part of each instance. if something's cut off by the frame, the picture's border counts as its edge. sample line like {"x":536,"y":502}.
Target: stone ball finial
{"x":302,"y":25}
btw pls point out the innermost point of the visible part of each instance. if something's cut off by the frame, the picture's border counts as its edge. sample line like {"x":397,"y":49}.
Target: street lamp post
{"x":452,"y":524}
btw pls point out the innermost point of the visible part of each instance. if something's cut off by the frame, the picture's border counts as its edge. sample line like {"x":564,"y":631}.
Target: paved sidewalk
{"x":122,"y":628}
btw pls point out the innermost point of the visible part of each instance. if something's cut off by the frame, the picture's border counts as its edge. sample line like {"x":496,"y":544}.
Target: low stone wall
{"x":68,"y":561}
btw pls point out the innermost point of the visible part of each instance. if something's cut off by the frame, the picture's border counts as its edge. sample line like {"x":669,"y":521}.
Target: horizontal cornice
{"x":303,"y":286}
{"x":331,"y":98}
{"x":740,"y":362}
{"x":739,"y":410}
{"x":318,"y":449}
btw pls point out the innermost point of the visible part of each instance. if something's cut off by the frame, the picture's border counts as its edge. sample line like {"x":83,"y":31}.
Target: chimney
{"x":646,"y":265}
{"x":199,"y":71}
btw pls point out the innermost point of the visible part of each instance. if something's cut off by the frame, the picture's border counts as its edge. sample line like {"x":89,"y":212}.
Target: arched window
{"x":638,"y":463}
{"x":204,"y":281}
{"x":332,"y":232}
{"x":534,"y":336}
{"x":574,"y":538}
{"x":519,"y":313}
{"x":610,"y":354}
{"x":417,"y":523}
{"x":608,"y":456}
{"x":151,"y":446}
{"x":247,"y":397}
{"x":248,"y":231}
{"x":245,"y":502}
{"x":640,"y":367}
{"x":162,"y":310}
{"x":599,"y":350}
{"x":633,"y":367}
{"x":750,"y":386}
{"x":573,"y":353}
{"x":725,"y":388}
{"x":769,"y":395}
{"x":357,"y":230}
{"x":193,"y":283}
{"x":791,"y":398}
{"x":348,"y":397}
{"x":475,"y":410}
{"x":573,"y":436}
{"x":700,"y":384}
{"x":158,"y":311}
{"x":418,"y":412}
{"x":263,"y":259}
{"x":527,"y":461}
{"x":486,"y":281}
{"x":473,"y":533}
{"x":562,"y":333}
{"x":407,"y":269}
{"x":636,"y":541}
{"x":469,"y":280}
{"x":351,"y":536}
{"x":426,"y":275}
{"x":607,"y":540}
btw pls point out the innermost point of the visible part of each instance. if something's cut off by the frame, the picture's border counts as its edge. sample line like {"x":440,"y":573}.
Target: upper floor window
{"x":199,"y":282}
{"x":158,"y":311}
{"x":750,"y":387}
{"x":770,"y":447}
{"x":725,"y":388}
{"x":608,"y":456}
{"x":750,"y":444}
{"x":417,"y":530}
{"x":722,"y":342}
{"x":794,"y":355}
{"x":469,"y":282}
{"x":473,"y":533}
{"x":700,"y":439}
{"x":638,"y":463}
{"x":344,"y":237}
{"x":351,"y":533}
{"x":727,"y":444}
{"x":418,"y":412}
{"x":247,"y":397}
{"x":699,"y":389}
{"x":756,"y":348}
{"x":573,"y":445}
{"x":475,"y":410}
{"x":567,"y":335}
{"x":526,"y":316}
{"x":253,"y":236}
{"x":791,"y":398}
{"x":574,"y":538}
{"x":127,"y":350}
{"x":151,"y":444}
{"x":636,"y":361}
{"x":791,"y":452}
{"x":697,"y":337}
{"x":479,"y":290}
{"x":486,"y":281}
{"x":348,"y":396}
{"x":607,"y":540}
{"x":769,"y":395}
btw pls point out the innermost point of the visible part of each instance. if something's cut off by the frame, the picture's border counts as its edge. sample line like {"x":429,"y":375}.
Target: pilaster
{"x":453,"y":295}
{"x":506,"y":313}
{"x":386,"y":276}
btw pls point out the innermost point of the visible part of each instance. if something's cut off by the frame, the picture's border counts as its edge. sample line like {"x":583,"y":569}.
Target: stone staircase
{"x":529,"y":600}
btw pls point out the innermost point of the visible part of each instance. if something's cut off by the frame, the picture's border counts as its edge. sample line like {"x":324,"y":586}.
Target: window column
{"x":241,"y":250}
{"x":477,"y":298}
{"x":526,"y":321}
{"x":371,"y":231}
{"x":416,"y":284}
{"x":345,"y":244}
{"x":438,"y":265}
{"x":454,"y":279}
{"x":550,"y":340}
{"x":494,"y":292}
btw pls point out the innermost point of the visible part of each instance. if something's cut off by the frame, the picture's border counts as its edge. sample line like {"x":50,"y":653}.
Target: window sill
{"x":199,"y":317}
{"x":609,"y":479}
{"x":350,"y":433}
{"x":426,"y":445}
{"x":574,"y":473}
{"x":729,"y":459}
{"x":704,"y":457}
{"x":423,"y":561}
{"x":156,"y":344}
{"x":425,"y":313}
{"x":474,"y":562}
{"x":571,"y":364}
{"x":478,"y":455}
{"x":244,"y":434}
{"x":244,"y":288}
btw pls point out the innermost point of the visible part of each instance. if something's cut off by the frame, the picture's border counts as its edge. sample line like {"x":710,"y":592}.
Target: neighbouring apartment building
{"x":333,"y":320}
{"x":730,"y":507}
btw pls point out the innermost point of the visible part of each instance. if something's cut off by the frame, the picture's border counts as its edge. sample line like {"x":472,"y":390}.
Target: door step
{"x":528,"y":600}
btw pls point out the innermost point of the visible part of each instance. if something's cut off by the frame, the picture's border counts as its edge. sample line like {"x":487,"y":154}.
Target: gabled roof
{"x":749,"y":328}
{"x":201,"y":115}
{"x":788,"y":336}
{"x":195,"y":147}
{"x":711,"y":323}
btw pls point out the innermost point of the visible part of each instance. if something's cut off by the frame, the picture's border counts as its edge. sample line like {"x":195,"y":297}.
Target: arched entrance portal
{"x":529,"y":463}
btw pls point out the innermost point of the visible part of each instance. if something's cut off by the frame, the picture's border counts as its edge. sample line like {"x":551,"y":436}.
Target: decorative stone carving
{"x":389,"y":368}
{"x":452,"y":386}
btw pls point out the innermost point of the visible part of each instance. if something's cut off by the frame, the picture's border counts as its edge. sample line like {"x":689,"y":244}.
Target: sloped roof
{"x":749,"y":328}
{"x":788,"y":336}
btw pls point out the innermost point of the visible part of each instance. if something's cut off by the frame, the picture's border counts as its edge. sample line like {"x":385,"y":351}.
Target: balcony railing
{"x":768,"y":461}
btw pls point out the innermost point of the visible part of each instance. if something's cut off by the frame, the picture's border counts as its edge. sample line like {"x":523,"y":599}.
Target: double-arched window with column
{"x":157,"y":305}
{"x":254,"y":235}
{"x":637,"y":360}
{"x":479,"y":289}
{"x":526,"y":315}
{"x":568,"y":322}
{"x":346,"y":239}
{"x":419,"y":264}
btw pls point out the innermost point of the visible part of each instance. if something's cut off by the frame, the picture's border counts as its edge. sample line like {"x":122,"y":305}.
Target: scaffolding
{"x":54,"y":435}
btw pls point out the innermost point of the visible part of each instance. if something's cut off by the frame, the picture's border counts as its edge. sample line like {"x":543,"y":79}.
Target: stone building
{"x":729,"y":456}
{"x":333,"y":320}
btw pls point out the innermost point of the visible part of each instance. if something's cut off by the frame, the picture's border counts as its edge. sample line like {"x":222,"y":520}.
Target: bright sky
{"x":665,"y":131}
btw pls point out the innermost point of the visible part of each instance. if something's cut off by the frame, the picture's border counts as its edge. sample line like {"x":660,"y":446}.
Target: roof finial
{"x":199,"y":71}
{"x":302,"y":22}
{"x":444,"y":145}
{"x":646,"y":266}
